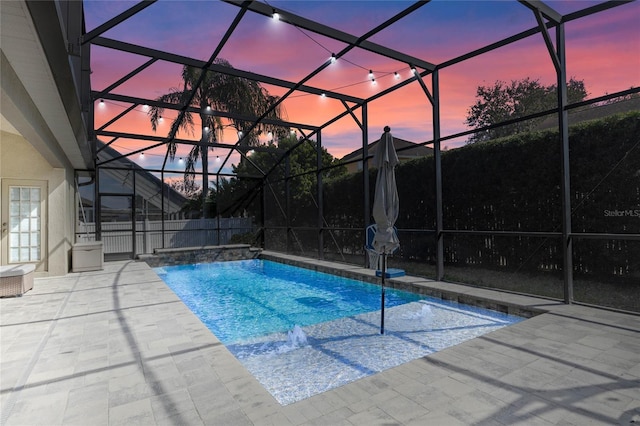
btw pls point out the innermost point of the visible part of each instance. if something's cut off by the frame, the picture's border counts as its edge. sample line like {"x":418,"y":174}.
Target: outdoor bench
{"x":15,"y":280}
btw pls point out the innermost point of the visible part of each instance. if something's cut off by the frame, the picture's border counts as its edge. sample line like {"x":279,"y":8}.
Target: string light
{"x":276,"y":15}
{"x":141,"y":156}
{"x":334,"y":59}
{"x":396,"y":75}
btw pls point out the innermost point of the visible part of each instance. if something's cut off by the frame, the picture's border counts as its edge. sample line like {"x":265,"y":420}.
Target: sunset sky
{"x":603,"y":50}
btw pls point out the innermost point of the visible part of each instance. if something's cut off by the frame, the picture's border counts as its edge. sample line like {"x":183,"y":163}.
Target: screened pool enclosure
{"x":195,"y":144}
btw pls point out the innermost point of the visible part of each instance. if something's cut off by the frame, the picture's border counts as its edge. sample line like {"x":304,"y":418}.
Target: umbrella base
{"x":391,"y":273}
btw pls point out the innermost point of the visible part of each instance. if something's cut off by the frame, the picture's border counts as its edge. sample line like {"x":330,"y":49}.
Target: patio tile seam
{"x":7,"y":409}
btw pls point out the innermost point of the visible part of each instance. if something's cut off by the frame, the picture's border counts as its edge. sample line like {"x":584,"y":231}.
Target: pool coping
{"x":508,"y":303}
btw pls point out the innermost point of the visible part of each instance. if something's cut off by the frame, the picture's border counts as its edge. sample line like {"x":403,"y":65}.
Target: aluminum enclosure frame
{"x":546,"y":17}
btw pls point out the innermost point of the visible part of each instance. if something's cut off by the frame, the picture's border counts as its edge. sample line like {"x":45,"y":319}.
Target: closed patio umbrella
{"x":385,"y":205}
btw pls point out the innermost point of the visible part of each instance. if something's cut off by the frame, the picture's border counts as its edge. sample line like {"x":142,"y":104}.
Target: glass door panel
{"x":24,"y":224}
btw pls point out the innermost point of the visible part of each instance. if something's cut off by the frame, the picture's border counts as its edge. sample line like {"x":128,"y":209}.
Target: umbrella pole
{"x":384,"y":273}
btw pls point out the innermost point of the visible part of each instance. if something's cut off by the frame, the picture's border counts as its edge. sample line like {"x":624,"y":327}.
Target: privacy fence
{"x":117,"y":237}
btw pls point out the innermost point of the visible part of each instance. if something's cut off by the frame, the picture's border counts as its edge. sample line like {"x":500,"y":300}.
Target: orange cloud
{"x":603,"y":50}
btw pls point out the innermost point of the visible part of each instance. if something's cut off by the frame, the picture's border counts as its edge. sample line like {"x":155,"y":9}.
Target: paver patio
{"x":118,"y":347}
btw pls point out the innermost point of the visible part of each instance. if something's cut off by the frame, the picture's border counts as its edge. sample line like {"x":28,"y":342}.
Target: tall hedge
{"x":514,"y":184}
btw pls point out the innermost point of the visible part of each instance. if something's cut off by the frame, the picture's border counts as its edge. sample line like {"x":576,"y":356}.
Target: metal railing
{"x":117,"y":237}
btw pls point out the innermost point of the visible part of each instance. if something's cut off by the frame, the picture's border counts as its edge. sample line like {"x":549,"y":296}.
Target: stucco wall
{"x":19,"y":160}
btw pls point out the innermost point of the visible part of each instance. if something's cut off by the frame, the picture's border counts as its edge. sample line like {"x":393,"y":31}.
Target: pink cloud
{"x":603,"y":50}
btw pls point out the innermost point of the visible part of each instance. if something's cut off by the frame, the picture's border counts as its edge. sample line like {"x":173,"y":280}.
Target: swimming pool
{"x":250,"y":298}
{"x":301,"y":332}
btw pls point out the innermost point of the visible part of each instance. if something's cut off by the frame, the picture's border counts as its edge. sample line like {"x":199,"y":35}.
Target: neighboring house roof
{"x":593,"y":113}
{"x":86,"y":202}
{"x":406,"y":150}
{"x":147,"y":184}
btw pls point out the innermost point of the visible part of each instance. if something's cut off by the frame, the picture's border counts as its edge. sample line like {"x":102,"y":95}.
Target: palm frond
{"x":223,"y":92}
{"x":190,"y":166}
{"x":155,"y":113}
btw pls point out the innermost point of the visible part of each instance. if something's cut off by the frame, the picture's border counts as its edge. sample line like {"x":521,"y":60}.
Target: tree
{"x":215,"y":92}
{"x":188,"y":189}
{"x":302,"y":164}
{"x":501,"y":102}
{"x":192,"y":208}
{"x":622,"y":98}
{"x":302,"y":158}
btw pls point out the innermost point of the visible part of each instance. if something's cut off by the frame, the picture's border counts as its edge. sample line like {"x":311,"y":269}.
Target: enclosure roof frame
{"x":95,"y":37}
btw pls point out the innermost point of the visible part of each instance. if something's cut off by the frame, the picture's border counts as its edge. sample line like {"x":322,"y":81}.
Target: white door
{"x":24,"y":222}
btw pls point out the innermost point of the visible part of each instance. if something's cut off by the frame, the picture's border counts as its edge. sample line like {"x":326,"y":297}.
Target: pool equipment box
{"x":87,"y":256}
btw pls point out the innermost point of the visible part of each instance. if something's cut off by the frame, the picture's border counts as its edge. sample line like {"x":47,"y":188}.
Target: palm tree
{"x":221,"y":92}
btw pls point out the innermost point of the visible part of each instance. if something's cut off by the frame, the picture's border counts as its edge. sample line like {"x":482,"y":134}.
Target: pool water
{"x":301,"y":332}
{"x":248,"y":298}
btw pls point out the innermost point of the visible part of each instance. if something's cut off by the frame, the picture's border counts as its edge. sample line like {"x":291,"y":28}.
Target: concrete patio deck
{"x":117,"y":347}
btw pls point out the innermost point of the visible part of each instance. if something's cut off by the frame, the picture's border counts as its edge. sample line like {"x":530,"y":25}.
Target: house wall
{"x":20,"y":160}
